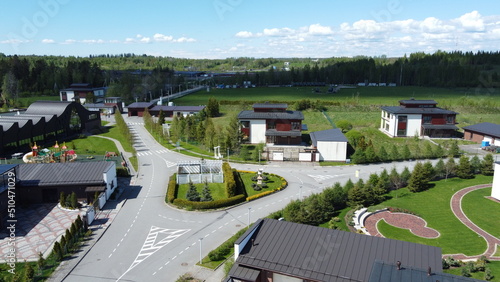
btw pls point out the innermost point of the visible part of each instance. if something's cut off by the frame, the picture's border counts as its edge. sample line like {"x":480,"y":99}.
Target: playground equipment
{"x":47,"y":156}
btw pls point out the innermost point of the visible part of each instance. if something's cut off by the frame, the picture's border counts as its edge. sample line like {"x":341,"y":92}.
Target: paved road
{"x":150,"y":241}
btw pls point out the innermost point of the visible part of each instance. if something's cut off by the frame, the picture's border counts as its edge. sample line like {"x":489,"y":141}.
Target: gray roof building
{"x":334,"y":135}
{"x":279,"y":248}
{"x":486,"y":128}
{"x":403,"y":110}
{"x":285,"y":115}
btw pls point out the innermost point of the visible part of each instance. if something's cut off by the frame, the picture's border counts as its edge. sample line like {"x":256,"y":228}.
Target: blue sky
{"x":247,"y":28}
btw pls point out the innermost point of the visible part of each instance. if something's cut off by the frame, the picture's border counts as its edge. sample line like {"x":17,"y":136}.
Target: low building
{"x":273,"y":250}
{"x":80,"y":92}
{"x":485,"y":131}
{"x":171,"y":111}
{"x":271,"y":124}
{"x":418,"y":118}
{"x":331,"y":145}
{"x":43,"y":182}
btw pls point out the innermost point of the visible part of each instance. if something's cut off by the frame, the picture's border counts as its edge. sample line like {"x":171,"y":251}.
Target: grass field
{"x":433,"y":205}
{"x":217,"y":190}
{"x":273,"y":182}
{"x":481,"y":210}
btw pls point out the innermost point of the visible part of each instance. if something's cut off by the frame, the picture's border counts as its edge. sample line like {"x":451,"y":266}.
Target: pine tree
{"x":161,"y":118}
{"x":206,"y":195}
{"x":429,"y":172}
{"x":69,"y":240}
{"x":58,"y":252}
{"x":406,"y":155}
{"x":395,"y":153}
{"x":192,"y":194}
{"x":475,"y":164}
{"x":382,"y":154}
{"x":405,"y":176}
{"x":464,"y":168}
{"x":428,"y":152}
{"x":348,"y":186}
{"x":40,"y":262}
{"x":450,"y":167}
{"x":73,"y":201}
{"x":454,"y":150}
{"x":356,"y":196}
{"x":371,"y":155}
{"x":418,"y":181}
{"x":359,"y":156}
{"x":487,"y":165}
{"x":440,"y":169}
{"x":212,"y":107}
{"x":395,"y":179}
{"x":62,"y":199}
{"x":439,"y":151}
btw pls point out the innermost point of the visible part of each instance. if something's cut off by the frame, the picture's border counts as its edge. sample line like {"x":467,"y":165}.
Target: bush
{"x":209,"y":205}
{"x":265,"y":193}
{"x":229,"y":180}
{"x":171,"y":189}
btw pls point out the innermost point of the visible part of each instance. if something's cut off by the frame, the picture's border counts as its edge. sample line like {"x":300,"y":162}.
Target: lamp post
{"x":200,"y":250}
{"x":300,"y":192}
{"x":249,"y":217}
{"x":259,"y":156}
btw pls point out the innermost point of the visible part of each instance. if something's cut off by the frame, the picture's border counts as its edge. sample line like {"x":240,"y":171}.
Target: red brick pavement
{"x":415,"y":224}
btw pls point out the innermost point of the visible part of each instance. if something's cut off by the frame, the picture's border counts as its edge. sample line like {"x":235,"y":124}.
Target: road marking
{"x":156,"y":239}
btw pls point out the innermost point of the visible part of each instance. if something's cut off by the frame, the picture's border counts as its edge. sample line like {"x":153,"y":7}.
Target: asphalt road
{"x":151,"y":241}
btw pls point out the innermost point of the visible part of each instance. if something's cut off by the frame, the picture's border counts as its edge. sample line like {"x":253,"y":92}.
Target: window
{"x":271,"y":125}
{"x":245,"y":124}
{"x":386,"y":126}
{"x":295,"y":125}
{"x":402,"y":118}
{"x":427,"y":119}
{"x":450,"y":119}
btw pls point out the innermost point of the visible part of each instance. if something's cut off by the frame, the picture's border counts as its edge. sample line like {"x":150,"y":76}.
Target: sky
{"x":218,"y":29}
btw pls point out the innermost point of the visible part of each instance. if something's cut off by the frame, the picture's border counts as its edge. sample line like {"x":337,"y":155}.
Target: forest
{"x":133,"y":76}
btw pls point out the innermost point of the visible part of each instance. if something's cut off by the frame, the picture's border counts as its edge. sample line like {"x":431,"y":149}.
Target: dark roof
{"x":141,"y":105}
{"x":486,"y":128}
{"x":418,"y":102}
{"x":439,"y":126}
{"x":322,"y":254}
{"x":334,"y":135}
{"x":6,"y":167}
{"x":178,"y":108}
{"x":100,"y":105}
{"x":244,"y":273}
{"x":274,"y":132}
{"x":47,"y":108}
{"x":403,"y":110}
{"x":74,"y":173}
{"x":270,"y":106}
{"x":81,"y":87}
{"x":388,"y":272}
{"x":297,"y":115}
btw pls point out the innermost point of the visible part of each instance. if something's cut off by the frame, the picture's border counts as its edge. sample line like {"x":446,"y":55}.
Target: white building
{"x":79,"y":92}
{"x":495,"y":189}
{"x":331,"y":145}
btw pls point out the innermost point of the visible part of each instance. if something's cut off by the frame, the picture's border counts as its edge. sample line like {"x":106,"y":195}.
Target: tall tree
{"x":487,"y":165}
{"x":418,"y":180}
{"x":192,"y":194}
{"x":450,"y":167}
{"x":212,"y":107}
{"x":464,"y":168}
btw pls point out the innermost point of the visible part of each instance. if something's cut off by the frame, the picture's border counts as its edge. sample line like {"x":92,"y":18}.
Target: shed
{"x":331,"y":145}
{"x":485,"y":131}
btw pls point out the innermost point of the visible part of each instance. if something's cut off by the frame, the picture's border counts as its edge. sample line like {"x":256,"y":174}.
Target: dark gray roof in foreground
{"x":271,"y":115}
{"x":178,"y":108}
{"x":418,"y":102}
{"x":270,"y":105}
{"x":388,"y":272}
{"x":141,"y":105}
{"x":487,"y":128}
{"x":244,"y":273}
{"x":403,"y":110}
{"x":321,"y":254}
{"x":334,"y":135}
{"x":72,"y":173}
{"x":6,"y":167}
{"x":439,"y":126}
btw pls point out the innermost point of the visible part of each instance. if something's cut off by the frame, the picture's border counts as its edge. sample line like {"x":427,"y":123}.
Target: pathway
{"x":415,"y":224}
{"x":456,"y":207}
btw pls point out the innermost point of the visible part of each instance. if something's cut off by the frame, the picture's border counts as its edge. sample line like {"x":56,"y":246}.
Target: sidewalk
{"x":99,"y":226}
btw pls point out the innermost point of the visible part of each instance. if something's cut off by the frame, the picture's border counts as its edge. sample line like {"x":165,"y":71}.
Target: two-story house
{"x":418,"y":118}
{"x":271,"y":124}
{"x":79,"y":92}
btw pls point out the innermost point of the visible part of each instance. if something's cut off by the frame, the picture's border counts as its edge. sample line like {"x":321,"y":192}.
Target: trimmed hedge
{"x":209,"y":205}
{"x":229,"y":180}
{"x":251,"y":198}
{"x":171,"y":189}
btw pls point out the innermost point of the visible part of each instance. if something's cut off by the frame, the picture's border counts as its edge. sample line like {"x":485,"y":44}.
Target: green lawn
{"x":217,"y":190}
{"x":93,"y":145}
{"x":481,"y":210}
{"x":273,"y":182}
{"x":114,"y":133}
{"x":434,"y":206}
{"x":493,"y":265}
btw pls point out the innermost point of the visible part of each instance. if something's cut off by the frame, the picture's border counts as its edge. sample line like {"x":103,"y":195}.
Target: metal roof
{"x":56,"y":174}
{"x":47,"y":108}
{"x":286,"y":115}
{"x":486,"y":128}
{"x":270,"y":106}
{"x":178,"y":108}
{"x":321,"y":254}
{"x":334,"y":135}
{"x":274,"y":132}
{"x":388,"y":272}
{"x":403,"y":110}
{"x":6,"y":167}
{"x":244,"y":273}
{"x":141,"y":105}
{"x":439,"y":126}
{"x":418,"y":102}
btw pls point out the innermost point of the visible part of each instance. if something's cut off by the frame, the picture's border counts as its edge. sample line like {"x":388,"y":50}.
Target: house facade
{"x":78,"y":92}
{"x":271,"y":124}
{"x":331,"y":145}
{"x":418,"y":118}
{"x":485,"y":131}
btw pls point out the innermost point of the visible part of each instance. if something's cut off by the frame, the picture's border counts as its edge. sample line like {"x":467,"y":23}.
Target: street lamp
{"x":200,"y":250}
{"x":249,"y":217}
{"x":300,"y":192}
{"x":259,"y":156}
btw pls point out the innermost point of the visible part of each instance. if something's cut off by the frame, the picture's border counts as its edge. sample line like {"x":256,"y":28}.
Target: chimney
{"x":253,"y":243}
{"x":398,"y":265}
{"x":429,"y":272}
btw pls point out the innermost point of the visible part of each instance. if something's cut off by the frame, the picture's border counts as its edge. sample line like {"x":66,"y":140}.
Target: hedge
{"x":171,"y":189}
{"x":182,"y":203}
{"x":229,"y":181}
{"x":251,"y":198}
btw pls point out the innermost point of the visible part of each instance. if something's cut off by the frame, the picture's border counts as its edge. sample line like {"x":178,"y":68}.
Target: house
{"x":43,"y":182}
{"x":485,"y":131}
{"x":109,"y":106}
{"x":78,"y":92}
{"x":495,"y":189}
{"x":418,"y":118}
{"x":331,"y":145}
{"x":273,"y":250}
{"x":272,"y":124}
{"x":137,"y":109}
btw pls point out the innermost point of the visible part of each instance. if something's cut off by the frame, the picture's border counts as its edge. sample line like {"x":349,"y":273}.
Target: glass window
{"x":427,"y":119}
{"x":402,"y":118}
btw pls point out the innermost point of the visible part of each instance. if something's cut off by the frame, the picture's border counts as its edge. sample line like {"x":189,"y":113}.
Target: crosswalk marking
{"x":320,"y":178}
{"x":170,"y":164}
{"x":144,"y":153}
{"x":135,"y":123}
{"x":162,"y":151}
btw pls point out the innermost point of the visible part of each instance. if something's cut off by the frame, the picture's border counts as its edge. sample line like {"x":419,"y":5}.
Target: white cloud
{"x":162,"y":38}
{"x":244,"y":34}
{"x":472,"y":21}
{"x":278,"y":31}
{"x":184,"y":39}
{"x":48,"y":41}
{"x":145,"y":40}
{"x":317,"y":29}
{"x":69,"y":41}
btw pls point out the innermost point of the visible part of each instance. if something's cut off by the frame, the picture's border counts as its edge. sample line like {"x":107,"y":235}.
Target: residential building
{"x":272,"y":124}
{"x":273,"y":250}
{"x":483,"y":132}
{"x":418,"y":118}
{"x":331,"y":145}
{"x":79,"y":92}
{"x":137,"y":109}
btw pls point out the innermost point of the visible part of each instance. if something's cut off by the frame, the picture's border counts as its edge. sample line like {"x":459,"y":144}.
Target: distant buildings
{"x":418,"y":118}
{"x":483,"y":132}
{"x":79,"y":92}
{"x":137,"y":109}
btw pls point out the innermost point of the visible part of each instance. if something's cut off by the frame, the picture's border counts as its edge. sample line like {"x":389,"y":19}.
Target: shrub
{"x":209,"y":205}
{"x":230,"y":182}
{"x":171,"y":189}
{"x":265,"y":193}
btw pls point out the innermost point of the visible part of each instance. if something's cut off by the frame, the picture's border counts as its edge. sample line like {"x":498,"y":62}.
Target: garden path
{"x":415,"y":224}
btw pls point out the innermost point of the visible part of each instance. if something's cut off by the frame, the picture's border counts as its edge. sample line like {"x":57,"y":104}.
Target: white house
{"x":495,"y":190}
{"x":417,"y":118}
{"x":79,"y":91}
{"x":331,"y":145}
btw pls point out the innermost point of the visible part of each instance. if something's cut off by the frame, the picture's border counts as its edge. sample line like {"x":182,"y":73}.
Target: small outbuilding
{"x":331,"y":145}
{"x":485,"y":131}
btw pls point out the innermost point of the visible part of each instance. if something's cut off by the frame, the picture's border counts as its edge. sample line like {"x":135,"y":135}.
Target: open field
{"x":433,"y":205}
